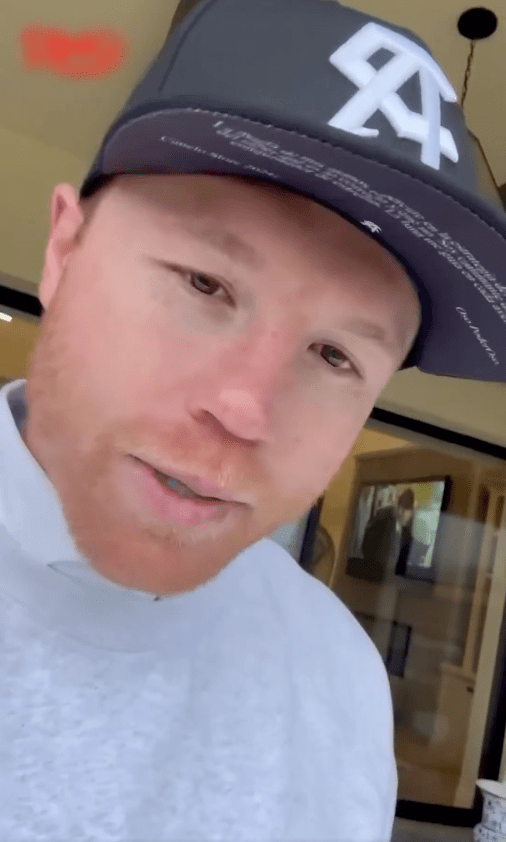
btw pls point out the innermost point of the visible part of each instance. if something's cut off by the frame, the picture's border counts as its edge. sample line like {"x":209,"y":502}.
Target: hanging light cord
{"x":467,"y":73}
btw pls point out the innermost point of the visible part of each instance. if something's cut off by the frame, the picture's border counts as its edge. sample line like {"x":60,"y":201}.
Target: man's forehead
{"x":224,"y":207}
{"x":205,"y":194}
{"x":221,"y":238}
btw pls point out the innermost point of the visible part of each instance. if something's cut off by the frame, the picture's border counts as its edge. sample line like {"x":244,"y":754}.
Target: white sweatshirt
{"x":252,"y":709}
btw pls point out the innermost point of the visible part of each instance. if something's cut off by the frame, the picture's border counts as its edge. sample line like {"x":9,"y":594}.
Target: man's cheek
{"x":330,"y":461}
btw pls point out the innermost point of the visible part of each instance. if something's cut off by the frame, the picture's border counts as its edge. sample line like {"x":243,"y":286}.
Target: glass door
{"x":419,"y":557}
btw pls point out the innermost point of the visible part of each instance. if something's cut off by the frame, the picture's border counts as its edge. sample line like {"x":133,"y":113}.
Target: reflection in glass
{"x":419,"y":558}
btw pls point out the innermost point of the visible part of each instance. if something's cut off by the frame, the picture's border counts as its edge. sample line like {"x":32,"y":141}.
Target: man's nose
{"x":244,"y":389}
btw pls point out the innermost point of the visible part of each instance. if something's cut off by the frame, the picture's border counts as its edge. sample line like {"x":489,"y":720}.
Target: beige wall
{"x":28,"y":172}
{"x":466,"y":406}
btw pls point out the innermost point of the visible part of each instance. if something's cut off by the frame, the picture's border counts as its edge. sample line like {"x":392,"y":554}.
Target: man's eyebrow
{"x":368,"y":330}
{"x":227,"y":242}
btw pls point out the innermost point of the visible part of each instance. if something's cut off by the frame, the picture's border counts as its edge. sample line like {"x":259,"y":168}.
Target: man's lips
{"x":197,"y":484}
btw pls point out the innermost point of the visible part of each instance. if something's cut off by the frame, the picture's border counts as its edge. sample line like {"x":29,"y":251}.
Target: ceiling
{"x":72,"y":114}
{"x":51,"y":126}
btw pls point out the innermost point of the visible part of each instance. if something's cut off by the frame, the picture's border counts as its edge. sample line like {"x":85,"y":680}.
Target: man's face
{"x":405,"y":515}
{"x":214,"y":327}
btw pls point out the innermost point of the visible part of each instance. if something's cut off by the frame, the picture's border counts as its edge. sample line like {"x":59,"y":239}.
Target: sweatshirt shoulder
{"x":310,"y":607}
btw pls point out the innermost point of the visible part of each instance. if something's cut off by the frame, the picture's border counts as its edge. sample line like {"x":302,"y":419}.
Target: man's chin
{"x":127,"y":545}
{"x":160,"y":566}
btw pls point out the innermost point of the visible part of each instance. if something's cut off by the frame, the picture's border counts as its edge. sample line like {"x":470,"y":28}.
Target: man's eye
{"x":208,"y":286}
{"x":335,"y":357}
{"x":203,"y":284}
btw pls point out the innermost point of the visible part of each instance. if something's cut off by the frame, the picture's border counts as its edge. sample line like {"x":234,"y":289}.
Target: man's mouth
{"x":191,"y":486}
{"x":176,"y":500}
{"x":180,"y":488}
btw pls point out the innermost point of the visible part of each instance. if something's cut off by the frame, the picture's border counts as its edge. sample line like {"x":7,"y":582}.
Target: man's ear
{"x":66,"y":220}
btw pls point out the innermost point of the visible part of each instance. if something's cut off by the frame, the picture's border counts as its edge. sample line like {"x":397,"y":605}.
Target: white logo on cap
{"x":378,"y":91}
{"x":372,"y":226}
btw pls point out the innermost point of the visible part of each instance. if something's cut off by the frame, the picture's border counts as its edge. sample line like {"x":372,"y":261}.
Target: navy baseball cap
{"x":353,"y":113}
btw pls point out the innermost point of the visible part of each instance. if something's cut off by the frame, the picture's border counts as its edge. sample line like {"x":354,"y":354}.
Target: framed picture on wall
{"x":395,"y":528}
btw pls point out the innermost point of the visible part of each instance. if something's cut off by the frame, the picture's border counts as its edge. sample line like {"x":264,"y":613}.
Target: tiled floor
{"x":406,"y":831}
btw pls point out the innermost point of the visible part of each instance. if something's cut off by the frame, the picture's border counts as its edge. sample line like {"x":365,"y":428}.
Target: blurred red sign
{"x":85,"y":55}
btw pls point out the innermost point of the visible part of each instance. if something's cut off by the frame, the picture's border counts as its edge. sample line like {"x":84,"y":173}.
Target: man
{"x":387,"y":536}
{"x":245,"y":267}
{"x":406,"y":519}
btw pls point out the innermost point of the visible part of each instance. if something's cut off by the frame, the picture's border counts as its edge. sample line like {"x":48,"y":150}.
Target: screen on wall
{"x":395,"y":526}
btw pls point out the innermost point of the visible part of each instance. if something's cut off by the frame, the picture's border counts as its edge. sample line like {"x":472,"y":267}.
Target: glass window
{"x":410,"y":537}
